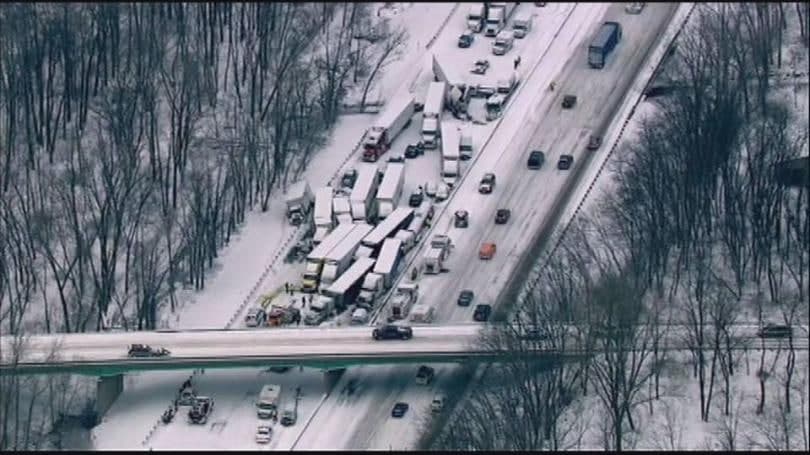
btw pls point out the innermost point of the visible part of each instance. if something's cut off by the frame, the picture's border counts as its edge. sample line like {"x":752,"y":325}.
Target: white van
{"x":522,"y":25}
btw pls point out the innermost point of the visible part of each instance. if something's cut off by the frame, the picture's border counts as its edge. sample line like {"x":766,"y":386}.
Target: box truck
{"x":603,"y":43}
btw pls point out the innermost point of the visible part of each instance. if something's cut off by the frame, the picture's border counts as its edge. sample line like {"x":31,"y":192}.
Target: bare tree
{"x":390,"y":50}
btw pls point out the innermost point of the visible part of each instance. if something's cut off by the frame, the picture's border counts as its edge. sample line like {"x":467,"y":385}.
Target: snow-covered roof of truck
{"x":351,"y":276}
{"x":330,"y":241}
{"x":349,"y":242}
{"x":366,"y":176}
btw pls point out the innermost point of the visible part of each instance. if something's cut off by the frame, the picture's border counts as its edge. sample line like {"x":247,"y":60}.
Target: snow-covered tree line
{"x":135,"y":137}
{"x":696,"y":234}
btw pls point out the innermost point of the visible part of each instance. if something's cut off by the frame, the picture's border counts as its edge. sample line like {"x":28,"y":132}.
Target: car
{"x":399,"y":410}
{"x":480,"y":66}
{"x":565,"y":162}
{"x":142,"y":350}
{"x":487,"y":250}
{"x":279,"y":369}
{"x":289,"y":417}
{"x":396,"y":159}
{"x":416,"y":198}
{"x":775,"y":331}
{"x":465,"y":297}
{"x":424,"y":375}
{"x":461,"y":219}
{"x":200,"y":410}
{"x":442,"y":192}
{"x":256,"y":317}
{"x":263,"y":434}
{"x":487,"y":183}
{"x":502,"y":216}
{"x":536,"y":159}
{"x":482,"y":312}
{"x":569,"y":101}
{"x":634,"y":7}
{"x":594,"y":142}
{"x":414,"y":150}
{"x":392,"y":332}
{"x":349,"y":177}
{"x":437,"y":404}
{"x":540,"y":4}
{"x":466,"y":39}
{"x":430,"y":189}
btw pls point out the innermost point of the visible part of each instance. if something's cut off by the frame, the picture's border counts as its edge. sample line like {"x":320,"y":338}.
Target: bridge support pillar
{"x":107,"y":390}
{"x":331,"y":378}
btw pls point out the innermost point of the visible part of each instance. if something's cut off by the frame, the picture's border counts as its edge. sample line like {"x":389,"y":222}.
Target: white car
{"x":442,"y":192}
{"x":634,"y":8}
{"x":430,"y":189}
{"x":264,"y":434}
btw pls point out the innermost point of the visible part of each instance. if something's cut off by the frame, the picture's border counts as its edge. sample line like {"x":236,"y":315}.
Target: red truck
{"x":395,"y":118}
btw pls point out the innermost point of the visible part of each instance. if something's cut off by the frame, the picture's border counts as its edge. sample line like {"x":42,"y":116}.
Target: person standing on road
{"x":286,"y":287}
{"x":517,"y":61}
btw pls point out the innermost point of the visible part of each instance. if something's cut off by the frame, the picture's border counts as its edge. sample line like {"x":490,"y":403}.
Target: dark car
{"x":569,"y":101}
{"x":461,"y":219}
{"x":414,"y":150}
{"x":482,"y":312}
{"x":399,"y":410}
{"x":466,"y":297}
{"x":392,"y":332}
{"x":415,"y":200}
{"x":396,"y":159}
{"x":466,"y":39}
{"x":349,"y":177}
{"x":775,"y":331}
{"x":424,"y":375}
{"x":594,"y":142}
{"x":565,"y":162}
{"x":536,"y":159}
{"x":502,"y":216}
{"x":140,"y":350}
{"x":487,"y":183}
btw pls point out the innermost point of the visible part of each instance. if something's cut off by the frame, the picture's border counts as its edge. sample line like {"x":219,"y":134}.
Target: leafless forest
{"x":135,"y":137}
{"x":697,"y":232}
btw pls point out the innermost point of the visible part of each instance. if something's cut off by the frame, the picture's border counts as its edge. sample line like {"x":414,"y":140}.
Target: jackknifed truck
{"x":341,"y":256}
{"x":299,"y":202}
{"x":340,"y":294}
{"x":382,"y":277}
{"x":316,"y":258}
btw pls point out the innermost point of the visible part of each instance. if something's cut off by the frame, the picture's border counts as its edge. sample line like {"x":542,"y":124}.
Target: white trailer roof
{"x":393,"y":108}
{"x":351,"y":276}
{"x":366,"y":175}
{"x":350,"y":242}
{"x":450,"y":141}
{"x":331,"y":241}
{"x":388,"y":256}
{"x":323,"y":201}
{"x":391,"y":180}
{"x":387,"y":227}
{"x":270,"y":393}
{"x":434,"y":98}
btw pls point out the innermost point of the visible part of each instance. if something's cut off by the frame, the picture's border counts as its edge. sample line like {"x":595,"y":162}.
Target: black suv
{"x":415,"y":200}
{"x":536,"y":159}
{"x":392,"y":332}
{"x":565,"y":162}
{"x":569,"y":101}
{"x":465,"y":40}
{"x":466,"y":297}
{"x":412,"y":151}
{"x":482,"y":313}
{"x":462,"y":219}
{"x":399,"y":409}
{"x":502,"y":216}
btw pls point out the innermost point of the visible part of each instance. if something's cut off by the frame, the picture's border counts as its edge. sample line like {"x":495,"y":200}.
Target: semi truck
{"x":390,"y":190}
{"x":316,"y":258}
{"x":432,"y":114}
{"x":609,"y":35}
{"x":434,"y":258}
{"x":268,"y":403}
{"x":340,"y":294}
{"x":323,"y":214}
{"x":363,"y":204}
{"x":341,"y":256}
{"x":497,"y":16}
{"x":381,"y":278}
{"x":476,"y":16}
{"x":299,"y":202}
{"x":403,"y":299}
{"x":342,"y":209}
{"x":503,"y":42}
{"x":522,"y":24}
{"x":459,"y":91}
{"x":450,"y":154}
{"x":398,"y":219}
{"x":395,"y":118}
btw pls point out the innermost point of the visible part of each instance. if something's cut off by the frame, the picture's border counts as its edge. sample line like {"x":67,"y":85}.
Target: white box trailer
{"x":324,"y":216}
{"x":317,"y":257}
{"x":268,"y":402}
{"x":362,"y":196}
{"x":450,"y":172}
{"x":497,"y":16}
{"x":342,"y":209}
{"x":382,"y":276}
{"x":450,"y":142}
{"x":390,"y":190}
{"x":476,"y":16}
{"x":341,"y":256}
{"x":396,"y":116}
{"x":399,"y":219}
{"x":345,"y":289}
{"x":432,"y":114}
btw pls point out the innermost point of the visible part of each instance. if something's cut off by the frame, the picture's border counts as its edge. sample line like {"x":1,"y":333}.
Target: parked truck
{"x":363,"y":204}
{"x":324,"y":217}
{"x":299,"y":202}
{"x":476,"y":16}
{"x":503,"y":42}
{"x":403,"y":299}
{"x":316,"y":258}
{"x":395,"y":118}
{"x":603,"y":44}
{"x":342,"y":209}
{"x":340,"y":294}
{"x":432,"y":114}
{"x":450,"y":154}
{"x":522,"y":24}
{"x":437,"y":253}
{"x":497,"y":16}
{"x":268,"y":402}
{"x":341,"y":256}
{"x":459,"y":91}
{"x":381,"y":278}
{"x":396,"y":221}
{"x":390,"y":190}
